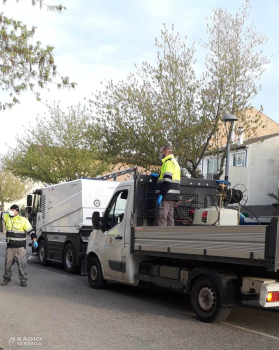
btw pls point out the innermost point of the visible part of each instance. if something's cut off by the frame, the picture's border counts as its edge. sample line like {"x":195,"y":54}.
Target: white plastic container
{"x":210,"y":216}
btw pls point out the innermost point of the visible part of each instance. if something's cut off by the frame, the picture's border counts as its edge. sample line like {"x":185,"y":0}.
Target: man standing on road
{"x":16,"y":229}
{"x":168,"y":187}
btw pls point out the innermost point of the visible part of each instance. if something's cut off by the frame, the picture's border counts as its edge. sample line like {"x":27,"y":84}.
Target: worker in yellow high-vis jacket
{"x":16,"y":229}
{"x":168,"y":187}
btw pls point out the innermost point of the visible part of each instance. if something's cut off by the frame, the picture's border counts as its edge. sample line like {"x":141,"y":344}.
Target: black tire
{"x":206,"y":301}
{"x":42,"y":253}
{"x":69,"y":259}
{"x":95,"y":274}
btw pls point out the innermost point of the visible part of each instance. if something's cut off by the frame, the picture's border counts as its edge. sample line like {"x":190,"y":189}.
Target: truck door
{"x":36,"y":211}
{"x":115,"y":222}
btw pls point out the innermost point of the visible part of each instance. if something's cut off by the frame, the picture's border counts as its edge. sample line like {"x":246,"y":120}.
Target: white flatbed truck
{"x":218,"y":266}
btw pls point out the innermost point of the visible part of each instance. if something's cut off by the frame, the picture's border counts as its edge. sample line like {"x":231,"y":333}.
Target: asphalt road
{"x":61,"y":311}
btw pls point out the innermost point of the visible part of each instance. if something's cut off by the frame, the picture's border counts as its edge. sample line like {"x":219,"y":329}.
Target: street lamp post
{"x":228,"y":118}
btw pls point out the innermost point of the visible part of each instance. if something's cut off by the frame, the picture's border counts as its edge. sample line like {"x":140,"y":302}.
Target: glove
{"x":154,"y":175}
{"x":159,"y":200}
{"x":35,"y":244}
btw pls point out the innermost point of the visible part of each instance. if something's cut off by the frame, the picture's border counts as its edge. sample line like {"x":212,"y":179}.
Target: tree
{"x":12,"y":188}
{"x":167,"y":103}
{"x":57,"y":8}
{"x":41,"y":4}
{"x":234,"y":65}
{"x":156,"y":105}
{"x":25,"y":65}
{"x":57,"y":148}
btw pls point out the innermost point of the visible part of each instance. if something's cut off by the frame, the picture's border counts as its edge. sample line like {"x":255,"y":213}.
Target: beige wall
{"x":270,"y":126}
{"x":263,"y":167}
{"x":261,"y":175}
{"x":265,"y":126}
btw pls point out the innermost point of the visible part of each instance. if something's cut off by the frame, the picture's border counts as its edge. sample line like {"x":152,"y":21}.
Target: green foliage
{"x":234,"y":65}
{"x":22,"y":211}
{"x":57,"y":148}
{"x":12,"y":188}
{"x":168,"y":103}
{"x":156,"y":105}
{"x":24,"y":64}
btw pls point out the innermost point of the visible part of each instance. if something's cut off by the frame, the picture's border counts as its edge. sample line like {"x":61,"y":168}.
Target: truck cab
{"x":110,"y":241}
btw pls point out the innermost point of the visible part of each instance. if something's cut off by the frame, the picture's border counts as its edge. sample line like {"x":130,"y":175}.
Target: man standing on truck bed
{"x":16,"y":229}
{"x":168,"y":187}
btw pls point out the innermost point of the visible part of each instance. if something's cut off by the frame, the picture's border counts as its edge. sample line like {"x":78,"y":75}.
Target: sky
{"x":97,"y":41}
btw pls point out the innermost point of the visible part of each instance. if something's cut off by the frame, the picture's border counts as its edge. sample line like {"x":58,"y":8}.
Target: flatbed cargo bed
{"x":247,"y":245}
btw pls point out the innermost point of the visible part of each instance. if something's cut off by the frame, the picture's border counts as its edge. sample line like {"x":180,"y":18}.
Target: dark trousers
{"x":164,"y":214}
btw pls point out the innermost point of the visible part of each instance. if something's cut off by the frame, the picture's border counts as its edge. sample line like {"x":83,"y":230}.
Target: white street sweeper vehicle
{"x":215,"y":260}
{"x":61,"y":215}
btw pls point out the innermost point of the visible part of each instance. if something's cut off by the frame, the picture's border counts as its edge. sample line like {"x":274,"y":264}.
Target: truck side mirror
{"x":29,"y":200}
{"x":96,"y":220}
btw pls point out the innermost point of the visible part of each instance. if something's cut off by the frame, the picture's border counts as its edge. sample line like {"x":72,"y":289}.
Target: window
{"x":213,"y":166}
{"x":37,"y":203}
{"x":239,"y":159}
{"x":116,"y":210}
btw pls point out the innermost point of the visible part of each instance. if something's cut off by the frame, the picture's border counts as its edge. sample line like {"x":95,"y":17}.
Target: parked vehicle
{"x":61,"y":215}
{"x":217,"y":265}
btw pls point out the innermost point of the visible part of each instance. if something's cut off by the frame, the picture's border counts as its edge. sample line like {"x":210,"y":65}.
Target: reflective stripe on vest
{"x":170,"y":172}
{"x":16,"y":229}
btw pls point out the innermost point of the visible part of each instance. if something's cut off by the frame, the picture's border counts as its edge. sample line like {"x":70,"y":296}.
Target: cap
{"x":15,"y":206}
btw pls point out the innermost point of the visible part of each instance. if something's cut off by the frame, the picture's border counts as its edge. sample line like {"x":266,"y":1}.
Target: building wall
{"x":263,"y":171}
{"x":270,"y":126}
{"x":261,"y":175}
{"x":265,"y":126}
{"x":239,"y":176}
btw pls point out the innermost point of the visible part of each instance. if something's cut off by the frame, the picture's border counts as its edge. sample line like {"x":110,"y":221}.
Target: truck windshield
{"x":116,"y":209}
{"x":37,"y":204}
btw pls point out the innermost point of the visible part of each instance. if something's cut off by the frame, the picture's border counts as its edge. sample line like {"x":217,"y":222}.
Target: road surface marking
{"x":252,"y":331}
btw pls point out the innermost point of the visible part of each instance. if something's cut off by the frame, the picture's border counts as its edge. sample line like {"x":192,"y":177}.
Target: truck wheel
{"x":70,"y":258}
{"x":206,"y":301}
{"x":95,"y":274}
{"x":42,"y":253}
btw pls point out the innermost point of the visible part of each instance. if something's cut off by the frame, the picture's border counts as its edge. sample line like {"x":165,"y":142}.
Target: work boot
{"x":23,"y":284}
{"x":4,"y":282}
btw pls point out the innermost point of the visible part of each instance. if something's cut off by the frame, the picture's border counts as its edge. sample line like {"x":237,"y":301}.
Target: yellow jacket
{"x":16,"y":229}
{"x":169,"y":179}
